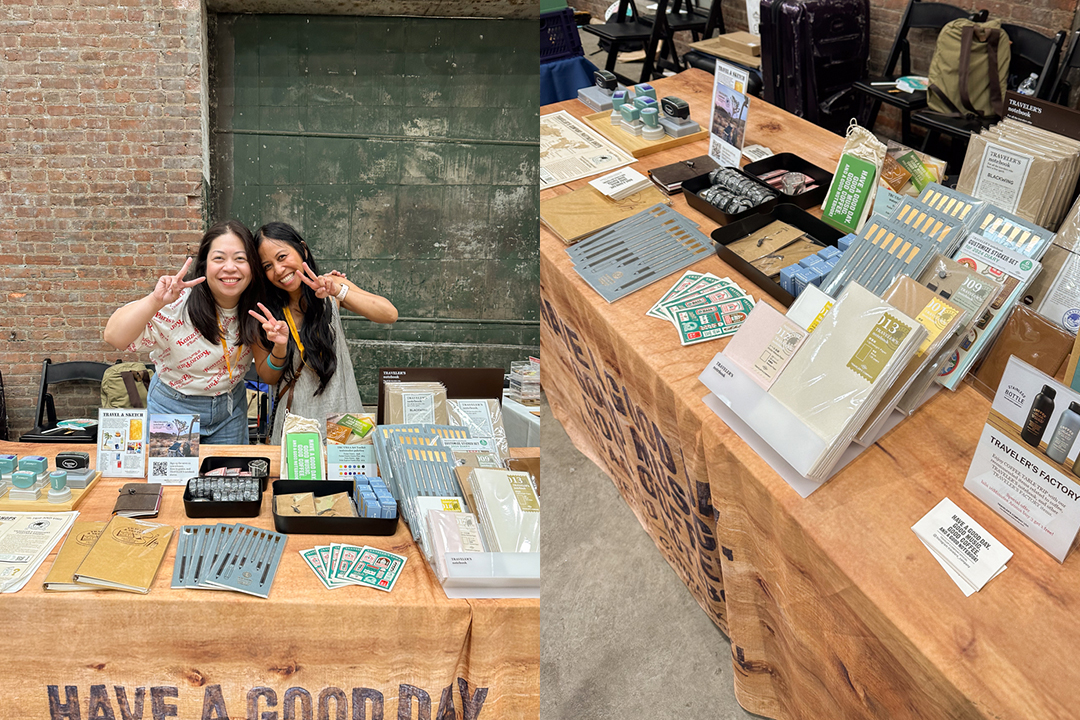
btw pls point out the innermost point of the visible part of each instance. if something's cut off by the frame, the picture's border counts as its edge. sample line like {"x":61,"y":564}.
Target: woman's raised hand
{"x":277,"y":331}
{"x":169,"y":287}
{"x":324,"y":285}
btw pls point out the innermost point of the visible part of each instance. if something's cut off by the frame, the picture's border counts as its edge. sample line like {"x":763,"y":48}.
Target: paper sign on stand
{"x":730,"y":105}
{"x":1025,"y":465}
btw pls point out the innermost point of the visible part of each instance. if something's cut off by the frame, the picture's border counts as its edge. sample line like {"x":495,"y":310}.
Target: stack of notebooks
{"x":121,"y":554}
{"x":508,"y":509}
{"x":576,"y":215}
{"x":808,"y":394}
{"x":236,"y":557}
{"x":1022,"y":169}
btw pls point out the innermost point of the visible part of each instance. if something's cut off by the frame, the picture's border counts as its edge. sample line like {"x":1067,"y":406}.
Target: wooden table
{"x":833,"y":607}
{"x":304,"y":653}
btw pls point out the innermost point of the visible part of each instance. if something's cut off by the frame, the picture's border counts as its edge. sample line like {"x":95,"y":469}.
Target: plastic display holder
{"x":770,"y":429}
{"x":492,"y":575}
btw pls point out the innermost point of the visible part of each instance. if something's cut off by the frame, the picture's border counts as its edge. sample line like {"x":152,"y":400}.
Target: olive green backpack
{"x":124,"y":385}
{"x":961,"y":81}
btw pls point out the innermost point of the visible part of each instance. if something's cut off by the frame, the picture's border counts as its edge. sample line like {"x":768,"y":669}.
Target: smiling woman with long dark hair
{"x":200,"y":334}
{"x":305,"y":351}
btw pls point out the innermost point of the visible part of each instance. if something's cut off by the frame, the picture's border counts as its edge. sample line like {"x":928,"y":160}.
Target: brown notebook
{"x":672,"y":176}
{"x":138,"y":500}
{"x":578,"y":214}
{"x":126,"y":556}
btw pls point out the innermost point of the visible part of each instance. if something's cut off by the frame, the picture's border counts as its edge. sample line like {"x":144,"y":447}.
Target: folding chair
{"x":918,"y":15}
{"x":1059,"y":93}
{"x":46,"y":429}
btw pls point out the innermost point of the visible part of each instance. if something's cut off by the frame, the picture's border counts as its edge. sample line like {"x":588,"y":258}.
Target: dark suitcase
{"x":812,"y":51}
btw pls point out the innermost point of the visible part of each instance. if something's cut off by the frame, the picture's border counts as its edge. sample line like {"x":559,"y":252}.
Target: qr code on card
{"x":159,"y":468}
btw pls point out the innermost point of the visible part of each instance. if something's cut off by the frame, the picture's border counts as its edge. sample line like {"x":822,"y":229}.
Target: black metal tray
{"x":693,"y":186}
{"x":784,"y":212}
{"x":311,"y":525}
{"x":793,"y":163}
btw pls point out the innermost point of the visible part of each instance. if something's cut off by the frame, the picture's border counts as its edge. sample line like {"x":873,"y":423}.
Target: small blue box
{"x":830,"y":252}
{"x":801,"y":280}
{"x":787,"y":276}
{"x":819,"y":274}
{"x":845,"y":242}
{"x":810,"y":261}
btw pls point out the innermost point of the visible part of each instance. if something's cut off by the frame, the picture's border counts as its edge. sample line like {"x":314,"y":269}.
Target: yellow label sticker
{"x":935,"y":317}
{"x":877,"y":349}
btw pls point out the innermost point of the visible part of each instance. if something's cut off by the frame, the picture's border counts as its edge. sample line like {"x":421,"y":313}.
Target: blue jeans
{"x":219,"y":424}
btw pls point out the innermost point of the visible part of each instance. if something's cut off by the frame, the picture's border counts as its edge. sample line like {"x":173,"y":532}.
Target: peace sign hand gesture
{"x":169,"y":287}
{"x":277,"y":331}
{"x":323,"y":285}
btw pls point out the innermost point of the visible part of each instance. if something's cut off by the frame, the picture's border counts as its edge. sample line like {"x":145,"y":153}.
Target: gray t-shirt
{"x":339,"y":396}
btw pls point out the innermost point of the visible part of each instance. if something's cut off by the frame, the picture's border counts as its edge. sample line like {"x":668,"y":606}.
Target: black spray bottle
{"x":1039,"y":415}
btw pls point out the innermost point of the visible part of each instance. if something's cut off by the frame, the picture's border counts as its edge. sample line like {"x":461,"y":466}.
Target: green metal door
{"x":405,"y":150}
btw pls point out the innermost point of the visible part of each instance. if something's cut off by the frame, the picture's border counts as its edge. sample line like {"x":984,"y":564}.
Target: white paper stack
{"x":508,"y":508}
{"x":969,"y":554}
{"x":621,"y":183}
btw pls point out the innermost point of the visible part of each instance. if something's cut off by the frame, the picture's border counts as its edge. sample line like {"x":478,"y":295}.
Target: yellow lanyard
{"x":294,"y":332}
{"x":225,"y":347}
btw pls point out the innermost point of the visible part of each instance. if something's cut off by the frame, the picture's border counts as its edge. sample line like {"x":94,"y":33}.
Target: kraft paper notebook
{"x":126,"y":556}
{"x":578,"y":214}
{"x":966,"y":289}
{"x":81,"y":537}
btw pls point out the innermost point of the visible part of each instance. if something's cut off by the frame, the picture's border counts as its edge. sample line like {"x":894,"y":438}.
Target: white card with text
{"x":952,"y":536}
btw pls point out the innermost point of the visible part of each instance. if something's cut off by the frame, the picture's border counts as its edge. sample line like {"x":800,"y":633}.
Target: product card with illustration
{"x":121,"y":443}
{"x":1026,"y":463}
{"x":173,"y":446}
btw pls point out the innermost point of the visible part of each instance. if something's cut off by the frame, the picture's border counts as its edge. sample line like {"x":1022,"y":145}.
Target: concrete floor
{"x":621,"y":636}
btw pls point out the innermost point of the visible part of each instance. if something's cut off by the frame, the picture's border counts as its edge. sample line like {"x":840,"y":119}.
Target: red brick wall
{"x":101,"y":179}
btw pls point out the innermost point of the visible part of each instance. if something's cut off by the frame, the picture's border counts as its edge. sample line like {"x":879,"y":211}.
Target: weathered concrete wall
{"x":405,"y":150}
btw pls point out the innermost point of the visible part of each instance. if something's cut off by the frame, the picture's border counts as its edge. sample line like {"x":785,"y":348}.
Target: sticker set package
{"x":338,"y":565}
{"x":703,"y":307}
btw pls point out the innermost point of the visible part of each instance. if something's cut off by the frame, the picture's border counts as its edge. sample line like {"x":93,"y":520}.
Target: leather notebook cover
{"x":138,"y":500}
{"x":677,"y":173}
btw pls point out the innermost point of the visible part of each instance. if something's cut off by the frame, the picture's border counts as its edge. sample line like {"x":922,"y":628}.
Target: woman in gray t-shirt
{"x":305,"y":353}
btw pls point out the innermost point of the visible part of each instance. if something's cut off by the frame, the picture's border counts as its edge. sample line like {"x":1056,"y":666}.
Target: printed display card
{"x":121,"y":443}
{"x":173,"y":448}
{"x":727,"y":129}
{"x":1026,"y":463}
